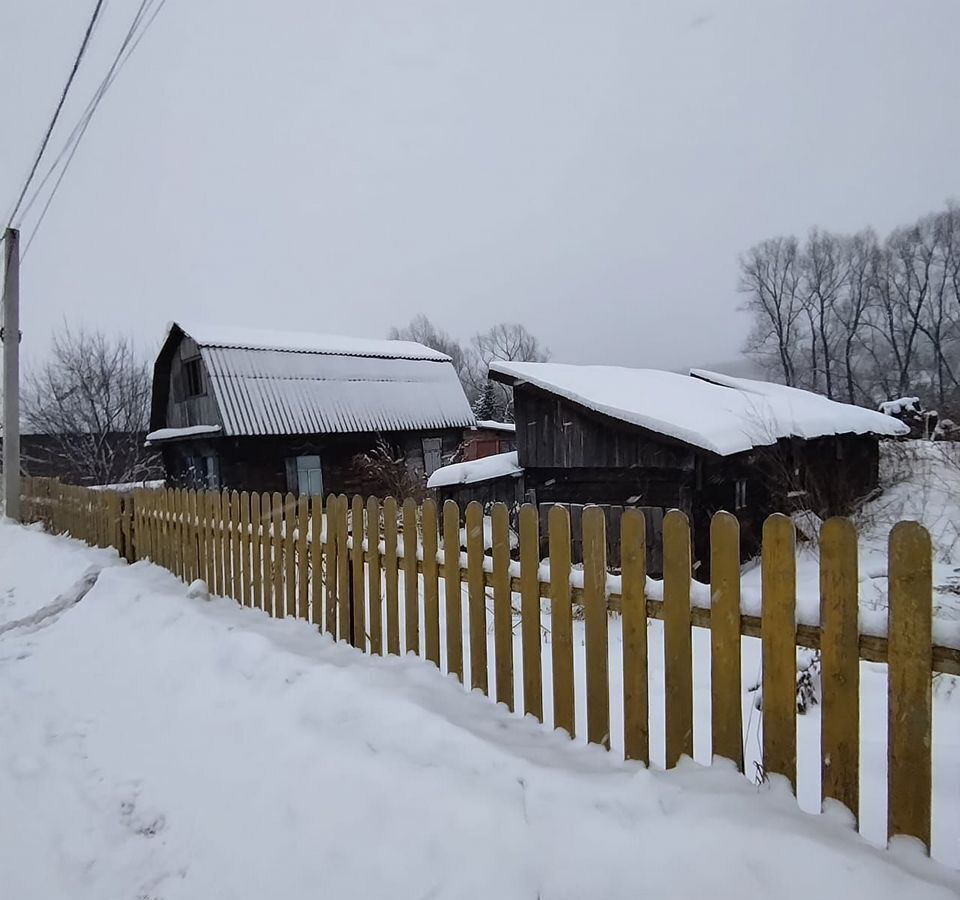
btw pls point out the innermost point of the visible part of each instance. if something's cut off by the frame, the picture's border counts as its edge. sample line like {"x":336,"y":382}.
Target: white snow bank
{"x":500,"y":465}
{"x":718,"y":413}
{"x":155,"y":746}
{"x":173,"y":434}
{"x":207,"y":335}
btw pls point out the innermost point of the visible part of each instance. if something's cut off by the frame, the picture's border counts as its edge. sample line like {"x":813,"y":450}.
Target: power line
{"x":56,"y":112}
{"x":69,"y":149}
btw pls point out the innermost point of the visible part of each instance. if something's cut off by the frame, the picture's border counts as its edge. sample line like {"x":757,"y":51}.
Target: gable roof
{"x":712,"y":412}
{"x":275,"y":383}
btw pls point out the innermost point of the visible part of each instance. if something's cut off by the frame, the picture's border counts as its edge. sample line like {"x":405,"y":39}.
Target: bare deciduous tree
{"x":92,"y":397}
{"x":510,"y":342}
{"x":423,"y":331}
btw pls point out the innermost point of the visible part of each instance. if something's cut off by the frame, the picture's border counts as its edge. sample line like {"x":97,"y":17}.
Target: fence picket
{"x":330,"y":550}
{"x":374,"y":594}
{"x":530,"y":611}
{"x":236,"y":568}
{"x":303,"y":571}
{"x":561,"y":620}
{"x":778,"y":648}
{"x":391,"y":574}
{"x":910,"y":690}
{"x":411,"y":592}
{"x":476,"y":598}
{"x":345,"y":613}
{"x":316,"y":561}
{"x":290,"y":553}
{"x":633,"y":560}
{"x":502,"y":605}
{"x":226,"y":520}
{"x":276,"y":545}
{"x":246,"y":588}
{"x":677,"y":640}
{"x":358,"y":598}
{"x":452,"y":593}
{"x":256,"y":551}
{"x":266,"y":551}
{"x":431,"y":583}
{"x":726,"y":715}
{"x":839,"y":665}
{"x":593,"y":526}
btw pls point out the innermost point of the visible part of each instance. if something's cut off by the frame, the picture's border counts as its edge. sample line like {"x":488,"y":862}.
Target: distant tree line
{"x":507,"y":341}
{"x":858,"y":318}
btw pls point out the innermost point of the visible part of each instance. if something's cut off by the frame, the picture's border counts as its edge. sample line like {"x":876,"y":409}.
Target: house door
{"x":431,"y":455}
{"x":309,"y":476}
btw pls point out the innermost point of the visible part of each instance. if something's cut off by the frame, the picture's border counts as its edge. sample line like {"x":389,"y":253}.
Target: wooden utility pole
{"x":11,"y":373}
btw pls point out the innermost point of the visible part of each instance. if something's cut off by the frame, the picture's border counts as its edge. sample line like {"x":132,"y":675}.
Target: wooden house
{"x":488,"y":438}
{"x":700,"y":443}
{"x":267,"y":411}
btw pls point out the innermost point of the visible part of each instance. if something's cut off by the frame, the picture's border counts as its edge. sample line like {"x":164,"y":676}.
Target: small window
{"x":309,"y":476}
{"x":192,"y":378}
{"x":740,"y":500}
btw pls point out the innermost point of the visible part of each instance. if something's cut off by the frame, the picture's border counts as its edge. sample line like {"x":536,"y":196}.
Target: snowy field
{"x":154,"y":745}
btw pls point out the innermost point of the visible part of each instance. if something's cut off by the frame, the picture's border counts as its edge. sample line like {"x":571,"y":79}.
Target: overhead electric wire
{"x":56,"y":113}
{"x":69,"y":149}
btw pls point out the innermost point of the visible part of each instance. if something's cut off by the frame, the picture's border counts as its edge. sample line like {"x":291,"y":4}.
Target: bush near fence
{"x":264,"y":551}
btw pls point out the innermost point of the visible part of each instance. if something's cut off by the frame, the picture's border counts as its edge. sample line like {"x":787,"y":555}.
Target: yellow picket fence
{"x":266,"y":551}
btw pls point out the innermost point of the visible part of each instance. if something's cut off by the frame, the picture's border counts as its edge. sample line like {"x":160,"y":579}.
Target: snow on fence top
{"x":714,"y":412}
{"x":305,"y":342}
{"x":500,"y":465}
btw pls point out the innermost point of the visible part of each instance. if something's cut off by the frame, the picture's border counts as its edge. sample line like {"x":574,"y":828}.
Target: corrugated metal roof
{"x":305,"y":342}
{"x":267,"y":392}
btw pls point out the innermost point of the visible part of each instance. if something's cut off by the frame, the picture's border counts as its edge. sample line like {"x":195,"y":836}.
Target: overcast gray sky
{"x":591,"y":169}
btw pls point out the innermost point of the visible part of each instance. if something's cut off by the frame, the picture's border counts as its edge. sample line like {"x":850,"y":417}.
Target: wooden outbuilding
{"x":700,"y":443}
{"x":309,"y":414}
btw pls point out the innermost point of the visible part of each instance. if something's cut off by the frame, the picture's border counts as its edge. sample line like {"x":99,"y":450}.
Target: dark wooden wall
{"x":508,"y":489}
{"x":185,"y":411}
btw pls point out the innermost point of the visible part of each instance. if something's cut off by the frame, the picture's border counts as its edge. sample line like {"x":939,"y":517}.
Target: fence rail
{"x":339,"y":564}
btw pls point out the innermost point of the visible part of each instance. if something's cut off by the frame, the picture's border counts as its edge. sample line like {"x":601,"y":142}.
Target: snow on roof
{"x":305,"y":342}
{"x":500,"y":465}
{"x":718,"y":413}
{"x":491,"y":425}
{"x":178,"y":434}
{"x":899,"y":406}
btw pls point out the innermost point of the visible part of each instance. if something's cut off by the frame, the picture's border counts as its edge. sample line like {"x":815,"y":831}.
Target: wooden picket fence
{"x":325,"y":561}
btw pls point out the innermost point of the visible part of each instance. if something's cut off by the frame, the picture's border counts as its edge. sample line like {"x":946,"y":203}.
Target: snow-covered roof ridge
{"x":500,"y":465}
{"x":717,"y":413}
{"x":207,"y":335}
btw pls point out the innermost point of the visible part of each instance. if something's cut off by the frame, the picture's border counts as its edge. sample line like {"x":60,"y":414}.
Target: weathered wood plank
{"x":246,"y":584}
{"x":530,"y":611}
{"x":359,"y":590}
{"x":302,"y":565}
{"x":411,"y":591}
{"x":391,"y":574}
{"x":677,"y":638}
{"x":778,"y":648}
{"x":331,"y":550}
{"x":316,"y":562}
{"x":910,"y":690}
{"x":726,"y":711}
{"x":595,"y":625}
{"x":502,"y":605}
{"x":839,"y":665}
{"x":266,"y":552}
{"x":633,"y":561}
{"x":276,"y":542}
{"x":290,"y":553}
{"x":374,"y":587}
{"x":453,"y":598}
{"x":431,"y":583}
{"x":561,"y":618}
{"x":344,"y":594}
{"x":477,"y":598}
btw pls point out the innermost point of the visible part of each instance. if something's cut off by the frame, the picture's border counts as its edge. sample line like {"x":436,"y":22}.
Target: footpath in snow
{"x":156,"y":746}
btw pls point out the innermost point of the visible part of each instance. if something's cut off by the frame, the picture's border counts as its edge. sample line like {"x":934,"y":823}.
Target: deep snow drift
{"x":157,"y":746}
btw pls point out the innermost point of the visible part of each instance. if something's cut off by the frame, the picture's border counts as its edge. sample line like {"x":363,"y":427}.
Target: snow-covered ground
{"x":158,"y":746}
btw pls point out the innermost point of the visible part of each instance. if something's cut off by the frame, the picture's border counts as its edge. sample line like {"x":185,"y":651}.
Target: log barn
{"x":273,"y":411}
{"x":700,"y":442}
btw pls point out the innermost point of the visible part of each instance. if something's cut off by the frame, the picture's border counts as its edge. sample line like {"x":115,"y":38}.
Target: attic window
{"x":192,"y":378}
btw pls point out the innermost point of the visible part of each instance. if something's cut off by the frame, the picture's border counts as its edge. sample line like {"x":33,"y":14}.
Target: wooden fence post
{"x":677,"y":640}
{"x":374,"y":597}
{"x":290,"y":553}
{"x":477,"y":598}
{"x":358,"y":599}
{"x":839,"y":665}
{"x":411,"y":590}
{"x":452,"y":594}
{"x":502,"y":606}
{"x":633,"y":561}
{"x":331,"y":549}
{"x":727,"y":717}
{"x":431,"y":584}
{"x":778,"y":648}
{"x":530,"y":611}
{"x":561,"y":619}
{"x":593,"y":524}
{"x":345,"y":598}
{"x":391,"y":575}
{"x":910,"y":690}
